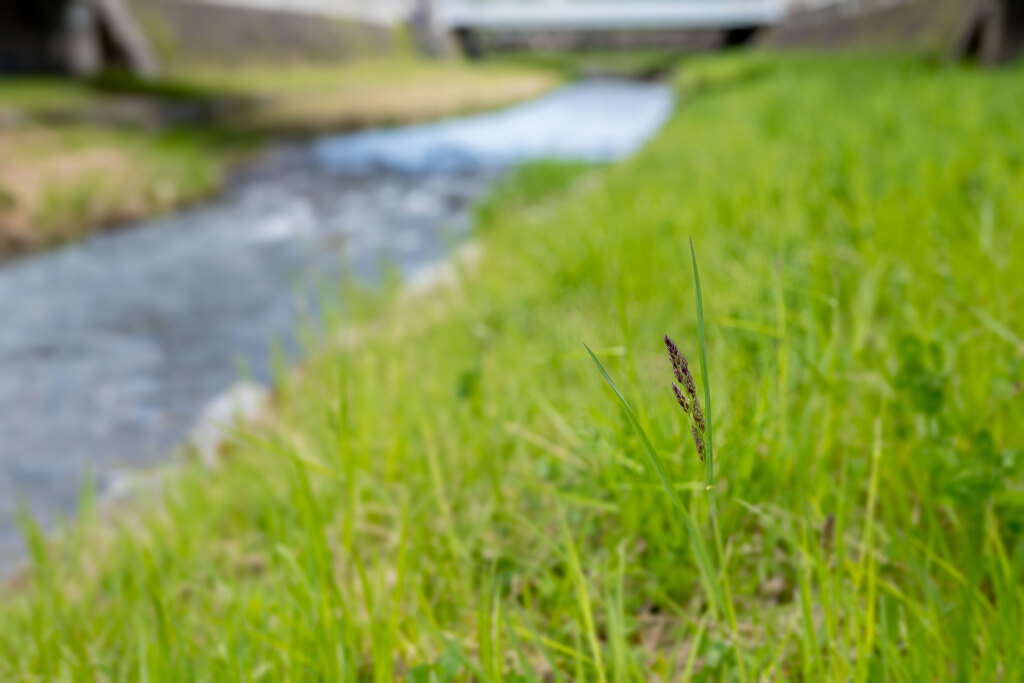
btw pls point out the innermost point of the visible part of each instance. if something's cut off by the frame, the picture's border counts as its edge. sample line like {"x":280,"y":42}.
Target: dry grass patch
{"x":59,"y":184}
{"x":353,"y":106}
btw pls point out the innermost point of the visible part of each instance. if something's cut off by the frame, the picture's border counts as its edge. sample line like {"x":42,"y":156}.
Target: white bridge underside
{"x":580,"y":16}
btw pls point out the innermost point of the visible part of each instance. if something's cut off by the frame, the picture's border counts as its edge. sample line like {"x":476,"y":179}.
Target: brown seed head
{"x":698,"y":417}
{"x":691,"y":388}
{"x":677,"y":359}
{"x":684,"y":402}
{"x":684,"y":366}
{"x":828,"y":532}
{"x":699,"y":442}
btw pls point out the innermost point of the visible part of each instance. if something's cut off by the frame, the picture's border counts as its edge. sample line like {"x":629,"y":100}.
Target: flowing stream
{"x":112,"y":349}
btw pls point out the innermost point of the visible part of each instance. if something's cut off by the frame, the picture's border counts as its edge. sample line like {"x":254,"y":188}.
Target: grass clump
{"x":454,"y":497}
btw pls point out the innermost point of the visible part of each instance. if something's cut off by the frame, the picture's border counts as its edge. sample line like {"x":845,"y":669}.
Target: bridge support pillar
{"x":82,"y":49}
{"x":74,"y":37}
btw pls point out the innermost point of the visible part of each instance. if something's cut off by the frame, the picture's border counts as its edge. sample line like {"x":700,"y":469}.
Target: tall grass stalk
{"x":716,"y":580}
{"x":710,"y":465}
{"x":702,"y":345}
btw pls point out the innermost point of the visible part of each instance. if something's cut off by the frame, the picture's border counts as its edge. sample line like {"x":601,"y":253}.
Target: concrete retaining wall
{"x":195,"y":32}
{"x":950,"y":28}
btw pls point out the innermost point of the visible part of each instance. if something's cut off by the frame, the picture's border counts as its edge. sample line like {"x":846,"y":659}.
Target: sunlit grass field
{"x":451,"y":491}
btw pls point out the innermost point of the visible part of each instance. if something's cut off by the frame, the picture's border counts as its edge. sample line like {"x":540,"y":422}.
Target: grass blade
{"x":579,"y":581}
{"x":710,"y":461}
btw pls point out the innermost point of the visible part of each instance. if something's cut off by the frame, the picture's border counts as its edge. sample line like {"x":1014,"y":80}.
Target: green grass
{"x":33,"y":96}
{"x":455,"y":493}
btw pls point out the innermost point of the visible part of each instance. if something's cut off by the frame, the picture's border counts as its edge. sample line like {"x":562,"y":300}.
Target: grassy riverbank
{"x":77,"y":158}
{"x":450,"y":491}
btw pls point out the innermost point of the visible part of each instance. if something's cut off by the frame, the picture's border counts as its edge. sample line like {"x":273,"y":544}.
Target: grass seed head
{"x":828,"y":533}
{"x":699,"y":442}
{"x":678,"y":360}
{"x":684,"y":402}
{"x":698,"y":417}
{"x":680,"y":367}
{"x":691,"y":388}
{"x":687,"y":400}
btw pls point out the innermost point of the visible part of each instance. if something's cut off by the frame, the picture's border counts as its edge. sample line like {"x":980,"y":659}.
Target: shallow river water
{"x":111,"y":349}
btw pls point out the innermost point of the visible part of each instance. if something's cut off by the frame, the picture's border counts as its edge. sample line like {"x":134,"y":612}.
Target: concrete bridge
{"x":693,"y":24}
{"x":583,"y":15}
{"x":990,"y":30}
{"x":382,"y":12}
